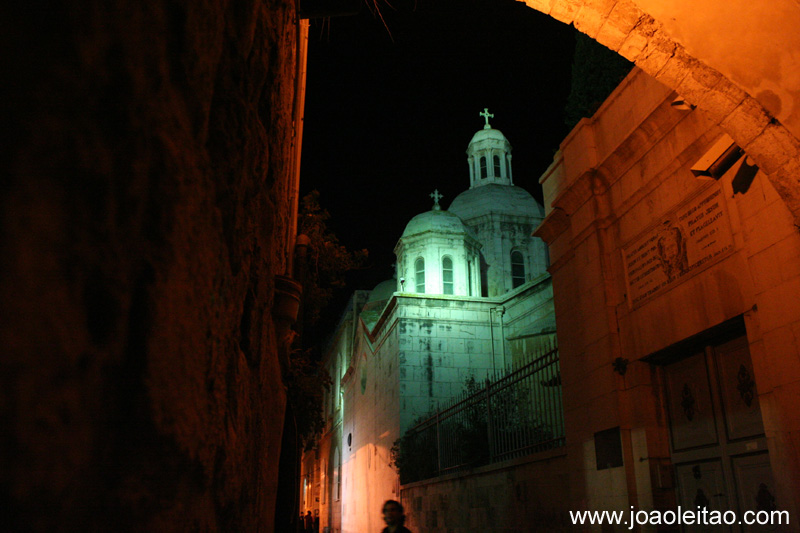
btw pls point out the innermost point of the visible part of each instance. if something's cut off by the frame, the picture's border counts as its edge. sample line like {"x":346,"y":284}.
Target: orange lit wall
{"x":618,"y":177}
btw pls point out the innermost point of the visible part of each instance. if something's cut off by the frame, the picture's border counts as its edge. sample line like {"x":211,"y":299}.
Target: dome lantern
{"x":489,"y":156}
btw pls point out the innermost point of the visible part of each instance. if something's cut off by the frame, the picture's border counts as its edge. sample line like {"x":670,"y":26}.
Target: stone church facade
{"x":471,"y":297}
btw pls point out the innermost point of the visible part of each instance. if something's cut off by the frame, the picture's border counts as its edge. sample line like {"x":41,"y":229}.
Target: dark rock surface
{"x":146,"y":159}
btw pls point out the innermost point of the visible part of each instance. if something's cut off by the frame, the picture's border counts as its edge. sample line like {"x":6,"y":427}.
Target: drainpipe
{"x":502,"y":311}
{"x":491,"y":334}
{"x":353,"y":329}
{"x":288,"y":291}
{"x":299,"y":117}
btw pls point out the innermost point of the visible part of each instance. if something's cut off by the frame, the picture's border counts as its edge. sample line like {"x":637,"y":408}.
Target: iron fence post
{"x":489,"y":423}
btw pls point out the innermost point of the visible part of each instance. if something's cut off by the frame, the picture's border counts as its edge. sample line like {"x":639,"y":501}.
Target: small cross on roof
{"x":436,"y":196}
{"x":485,"y":114}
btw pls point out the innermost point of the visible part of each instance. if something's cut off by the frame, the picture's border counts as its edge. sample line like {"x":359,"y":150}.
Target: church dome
{"x":488,"y":134}
{"x":383,"y":291}
{"x":495,"y":198}
{"x":436,"y":221}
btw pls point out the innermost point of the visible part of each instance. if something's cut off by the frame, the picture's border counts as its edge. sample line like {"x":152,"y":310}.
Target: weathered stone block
{"x":696,"y":87}
{"x":781,"y":356}
{"x":779,"y":306}
{"x":773,"y":148}
{"x":637,"y":39}
{"x":543,"y":6}
{"x":656,"y":55}
{"x":565,"y":11}
{"x":786,"y":183}
{"x":677,"y":68}
{"x":746,"y":121}
{"x":789,"y":257}
{"x":775,"y":216}
{"x":722,"y":99}
{"x":764,"y":267}
{"x":592,"y":16}
{"x":621,"y":20}
{"x":611,"y":36}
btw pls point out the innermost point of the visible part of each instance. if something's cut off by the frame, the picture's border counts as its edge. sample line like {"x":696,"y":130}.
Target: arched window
{"x":496,"y":160}
{"x":447,"y":275}
{"x":419,"y":275}
{"x":517,"y":269}
{"x":483,"y":168}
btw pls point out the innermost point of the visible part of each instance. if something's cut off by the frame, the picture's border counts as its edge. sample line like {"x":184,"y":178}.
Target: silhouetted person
{"x":394,"y":517}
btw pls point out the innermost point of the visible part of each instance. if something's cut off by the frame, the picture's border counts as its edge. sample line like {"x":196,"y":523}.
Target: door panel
{"x":717,"y":434}
{"x":738,"y":390}
{"x":703,"y":485}
{"x":755,"y":487}
{"x":691,"y":411}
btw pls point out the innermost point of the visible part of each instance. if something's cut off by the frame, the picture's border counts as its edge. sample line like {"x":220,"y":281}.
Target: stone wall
{"x":144,"y":215}
{"x":523,"y":495}
{"x":369,"y":429}
{"x":623,"y":178}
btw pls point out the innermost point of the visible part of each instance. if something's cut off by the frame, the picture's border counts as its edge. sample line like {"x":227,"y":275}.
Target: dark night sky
{"x":388,"y":119}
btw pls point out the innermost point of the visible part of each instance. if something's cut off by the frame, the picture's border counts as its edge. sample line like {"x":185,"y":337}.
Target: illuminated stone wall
{"x":443,"y":342}
{"x":501,"y":235}
{"x":410,"y":353}
{"x":622,"y":181}
{"x":145,"y":212}
{"x":522,"y":495}
{"x":370,"y":428}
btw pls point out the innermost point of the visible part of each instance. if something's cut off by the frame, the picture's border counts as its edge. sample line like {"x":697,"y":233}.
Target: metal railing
{"x":510,"y":416}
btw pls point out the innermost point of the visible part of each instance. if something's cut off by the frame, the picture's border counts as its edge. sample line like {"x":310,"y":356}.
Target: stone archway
{"x":766,"y":126}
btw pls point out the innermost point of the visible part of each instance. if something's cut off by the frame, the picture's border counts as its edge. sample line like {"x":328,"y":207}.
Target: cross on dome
{"x":436,"y":197}
{"x":485,"y":114}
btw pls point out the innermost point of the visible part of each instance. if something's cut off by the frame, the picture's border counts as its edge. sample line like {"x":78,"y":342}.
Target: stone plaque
{"x":689,"y":239}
